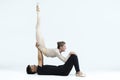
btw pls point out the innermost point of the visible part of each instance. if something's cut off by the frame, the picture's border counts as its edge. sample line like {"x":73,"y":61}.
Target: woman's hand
{"x":72,"y":52}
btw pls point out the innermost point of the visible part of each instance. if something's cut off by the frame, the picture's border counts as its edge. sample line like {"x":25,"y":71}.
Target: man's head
{"x":31,"y":69}
{"x":61,"y":46}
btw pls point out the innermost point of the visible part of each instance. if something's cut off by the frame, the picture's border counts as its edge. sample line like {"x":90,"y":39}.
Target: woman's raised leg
{"x":39,"y":37}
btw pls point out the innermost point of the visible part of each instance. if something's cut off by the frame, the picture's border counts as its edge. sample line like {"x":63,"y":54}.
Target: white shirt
{"x":54,"y":52}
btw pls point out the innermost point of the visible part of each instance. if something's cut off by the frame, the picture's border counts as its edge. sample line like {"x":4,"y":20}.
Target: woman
{"x":40,"y":44}
{"x":62,"y":70}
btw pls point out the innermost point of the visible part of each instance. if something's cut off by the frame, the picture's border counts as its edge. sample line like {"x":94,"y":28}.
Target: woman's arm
{"x":62,"y":58}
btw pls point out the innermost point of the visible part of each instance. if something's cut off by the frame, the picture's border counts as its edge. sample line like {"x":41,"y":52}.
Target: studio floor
{"x":91,"y":75}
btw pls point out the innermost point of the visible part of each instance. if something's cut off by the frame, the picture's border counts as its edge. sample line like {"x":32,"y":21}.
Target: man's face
{"x":33,"y":68}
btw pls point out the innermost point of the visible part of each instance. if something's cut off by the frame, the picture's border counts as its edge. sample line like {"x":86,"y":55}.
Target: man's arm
{"x":40,"y":58}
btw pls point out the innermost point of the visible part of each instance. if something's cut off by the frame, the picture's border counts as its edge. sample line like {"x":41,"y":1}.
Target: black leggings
{"x":72,"y":61}
{"x":62,"y":70}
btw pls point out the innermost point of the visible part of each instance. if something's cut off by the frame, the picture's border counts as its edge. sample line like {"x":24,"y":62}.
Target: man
{"x":62,"y":70}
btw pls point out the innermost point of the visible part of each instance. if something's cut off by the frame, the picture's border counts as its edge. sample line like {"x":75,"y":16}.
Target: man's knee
{"x":72,"y":52}
{"x":73,"y":55}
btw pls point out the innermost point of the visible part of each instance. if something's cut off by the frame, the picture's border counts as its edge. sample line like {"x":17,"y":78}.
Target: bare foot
{"x":37,"y":7}
{"x":80,"y":74}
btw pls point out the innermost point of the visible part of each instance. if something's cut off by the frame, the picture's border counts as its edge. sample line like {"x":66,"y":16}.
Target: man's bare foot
{"x":37,"y":7}
{"x":80,"y":74}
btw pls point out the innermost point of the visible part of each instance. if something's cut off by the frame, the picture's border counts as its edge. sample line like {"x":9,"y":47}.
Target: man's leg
{"x":73,"y":60}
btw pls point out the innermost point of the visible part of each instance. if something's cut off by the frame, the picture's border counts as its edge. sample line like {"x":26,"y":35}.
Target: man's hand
{"x":37,"y":7}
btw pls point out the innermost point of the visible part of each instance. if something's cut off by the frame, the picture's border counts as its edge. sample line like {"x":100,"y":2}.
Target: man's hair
{"x":60,"y":44}
{"x":29,"y":71}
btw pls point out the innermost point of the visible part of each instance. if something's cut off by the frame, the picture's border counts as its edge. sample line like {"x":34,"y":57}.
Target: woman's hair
{"x":29,"y":71}
{"x":60,"y":44}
